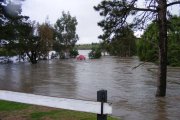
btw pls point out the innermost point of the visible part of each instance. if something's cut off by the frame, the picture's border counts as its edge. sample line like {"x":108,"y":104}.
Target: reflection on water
{"x":130,"y":90}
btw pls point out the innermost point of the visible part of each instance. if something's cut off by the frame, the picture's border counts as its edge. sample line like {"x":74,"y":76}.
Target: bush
{"x":173,"y":55}
{"x":73,"y":53}
{"x":95,"y":53}
{"x":4,"y":52}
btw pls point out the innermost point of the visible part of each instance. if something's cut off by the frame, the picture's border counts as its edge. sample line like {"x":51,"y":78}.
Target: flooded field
{"x":131,"y":91}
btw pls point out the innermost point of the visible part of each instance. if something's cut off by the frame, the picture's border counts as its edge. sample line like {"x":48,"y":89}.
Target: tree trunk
{"x":162,"y":72}
{"x":32,"y":57}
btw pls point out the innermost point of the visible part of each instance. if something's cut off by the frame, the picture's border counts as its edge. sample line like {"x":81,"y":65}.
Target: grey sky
{"x":86,"y":16}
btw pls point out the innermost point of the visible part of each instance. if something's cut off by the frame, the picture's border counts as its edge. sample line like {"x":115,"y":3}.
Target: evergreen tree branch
{"x":173,"y":3}
{"x":144,"y":9}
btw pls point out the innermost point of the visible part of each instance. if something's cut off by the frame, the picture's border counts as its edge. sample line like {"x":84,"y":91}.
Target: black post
{"x":102,"y":97}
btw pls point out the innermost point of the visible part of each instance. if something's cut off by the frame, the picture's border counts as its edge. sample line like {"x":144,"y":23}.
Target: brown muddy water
{"x":131,"y":91}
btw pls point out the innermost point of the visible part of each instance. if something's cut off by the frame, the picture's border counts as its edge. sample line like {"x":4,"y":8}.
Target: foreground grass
{"x":18,"y":111}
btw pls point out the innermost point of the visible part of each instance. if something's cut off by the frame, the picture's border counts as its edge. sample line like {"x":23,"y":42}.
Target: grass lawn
{"x":18,"y":111}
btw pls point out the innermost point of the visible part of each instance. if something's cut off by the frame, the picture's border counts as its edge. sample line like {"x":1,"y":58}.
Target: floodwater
{"x":131,"y":91}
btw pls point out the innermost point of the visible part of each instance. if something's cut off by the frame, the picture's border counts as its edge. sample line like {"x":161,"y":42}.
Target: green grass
{"x":11,"y":106}
{"x":12,"y":110}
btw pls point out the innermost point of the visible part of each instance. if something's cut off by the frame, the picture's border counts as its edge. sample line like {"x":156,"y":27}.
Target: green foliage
{"x":62,"y":55}
{"x":4,"y":52}
{"x":174,"y":41}
{"x":95,"y":53}
{"x":18,"y":31}
{"x":46,"y":33}
{"x":174,"y":55}
{"x":73,"y":53}
{"x":65,"y":32}
{"x":122,"y":45}
{"x":86,"y":46}
{"x":115,"y":17}
{"x":27,"y":42}
{"x":147,"y":46}
{"x":33,"y":39}
{"x":9,"y":19}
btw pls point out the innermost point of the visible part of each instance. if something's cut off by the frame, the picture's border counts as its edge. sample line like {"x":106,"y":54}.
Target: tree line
{"x":34,"y":39}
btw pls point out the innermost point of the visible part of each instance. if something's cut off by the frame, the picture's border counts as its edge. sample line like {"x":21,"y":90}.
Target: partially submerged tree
{"x":46,"y":33}
{"x":65,"y":32}
{"x":28,"y":41}
{"x":122,"y":45}
{"x":17,"y":30}
{"x":95,"y":53}
{"x":115,"y":14}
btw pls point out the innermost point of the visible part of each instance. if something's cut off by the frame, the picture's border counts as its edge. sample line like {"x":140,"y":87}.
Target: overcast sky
{"x":86,"y":16}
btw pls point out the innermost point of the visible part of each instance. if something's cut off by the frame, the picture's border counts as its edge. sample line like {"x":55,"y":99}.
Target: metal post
{"x":102,"y":97}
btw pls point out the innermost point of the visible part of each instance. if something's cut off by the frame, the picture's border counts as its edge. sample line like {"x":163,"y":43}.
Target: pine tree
{"x":115,"y":14}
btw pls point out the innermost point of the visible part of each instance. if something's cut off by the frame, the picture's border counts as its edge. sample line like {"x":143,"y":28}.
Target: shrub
{"x":95,"y":53}
{"x":4,"y":52}
{"x":73,"y":53}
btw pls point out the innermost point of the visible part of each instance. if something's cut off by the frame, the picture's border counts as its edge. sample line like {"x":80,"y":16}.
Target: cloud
{"x":86,"y":16}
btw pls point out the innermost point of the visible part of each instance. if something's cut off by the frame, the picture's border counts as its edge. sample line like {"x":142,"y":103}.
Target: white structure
{"x":70,"y":104}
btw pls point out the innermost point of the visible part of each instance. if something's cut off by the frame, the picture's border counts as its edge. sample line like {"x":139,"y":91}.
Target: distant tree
{"x":95,"y":52}
{"x":65,"y":29}
{"x":122,"y":45}
{"x":147,"y":45}
{"x":46,"y":33}
{"x":174,"y":41}
{"x":115,"y":14}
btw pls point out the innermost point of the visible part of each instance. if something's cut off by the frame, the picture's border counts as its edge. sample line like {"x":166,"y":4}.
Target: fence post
{"x":102,"y":97}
